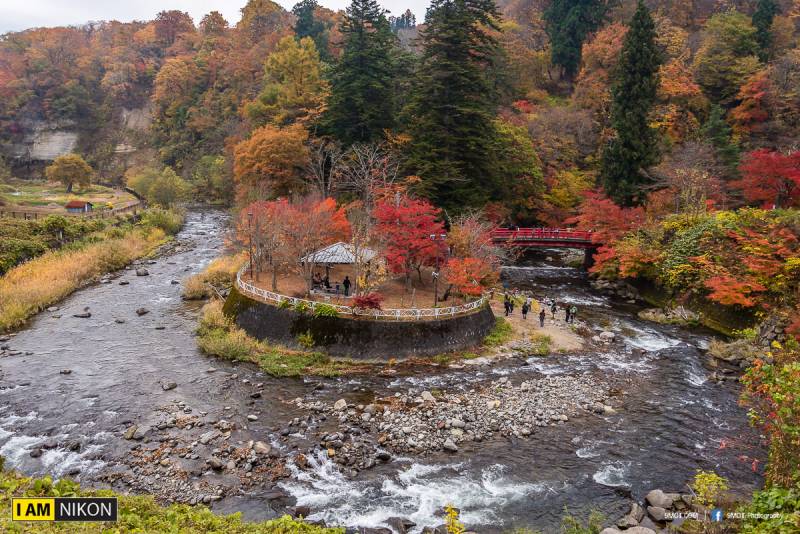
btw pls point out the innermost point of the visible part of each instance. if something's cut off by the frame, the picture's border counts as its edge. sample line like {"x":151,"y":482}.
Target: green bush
{"x":325,"y":310}
{"x":782,"y":503}
{"x":306,"y":339}
{"x":168,"y":220}
{"x":302,"y":306}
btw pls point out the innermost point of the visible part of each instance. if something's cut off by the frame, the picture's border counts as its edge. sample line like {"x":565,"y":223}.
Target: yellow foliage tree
{"x":70,"y":169}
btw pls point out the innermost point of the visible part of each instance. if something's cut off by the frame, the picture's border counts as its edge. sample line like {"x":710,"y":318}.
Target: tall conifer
{"x":568,"y":23}
{"x":634,"y":148}
{"x":454,"y":103}
{"x":361,"y":107}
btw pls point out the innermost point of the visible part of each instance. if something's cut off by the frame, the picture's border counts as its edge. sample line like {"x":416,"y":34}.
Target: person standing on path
{"x":566,"y":314}
{"x":573,"y":311}
{"x":525,"y":309}
{"x":511,"y":305}
{"x":553,"y":308}
{"x":346,"y":285}
{"x":542,"y":315}
{"x":507,"y":305}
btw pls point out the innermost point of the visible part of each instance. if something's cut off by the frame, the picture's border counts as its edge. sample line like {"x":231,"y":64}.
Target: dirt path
{"x":563,"y":336}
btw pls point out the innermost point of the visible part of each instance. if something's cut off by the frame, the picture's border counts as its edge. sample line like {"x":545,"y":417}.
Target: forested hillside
{"x":514,"y":109}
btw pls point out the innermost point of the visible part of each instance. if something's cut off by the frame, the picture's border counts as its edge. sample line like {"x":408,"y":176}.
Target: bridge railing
{"x":545,"y":234}
{"x":400,"y":314}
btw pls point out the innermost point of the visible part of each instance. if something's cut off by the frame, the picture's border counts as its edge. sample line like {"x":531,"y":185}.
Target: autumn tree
{"x":70,"y":170}
{"x":470,"y":236}
{"x":314,"y":224}
{"x":324,"y":163}
{"x":688,"y":175}
{"x":727,"y":55}
{"x":762,"y":20}
{"x":271,"y":162}
{"x":469,"y":276}
{"x":454,"y":102}
{"x":213,"y":24}
{"x":568,"y":23}
{"x":361,"y":105}
{"x":771,"y":178}
{"x":405,"y":226}
{"x":260,"y":18}
{"x":634,"y":146}
{"x":263,"y":226}
{"x":162,"y":187}
{"x":211,"y":178}
{"x":753,"y":111}
{"x":294,"y":88}
{"x":170,"y":24}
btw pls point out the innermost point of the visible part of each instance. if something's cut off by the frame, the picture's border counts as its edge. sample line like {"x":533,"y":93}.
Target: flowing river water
{"x":670,"y":420}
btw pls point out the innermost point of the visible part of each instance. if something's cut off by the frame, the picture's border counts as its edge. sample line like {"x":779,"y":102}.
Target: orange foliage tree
{"x":271,"y":162}
{"x":469,"y":276}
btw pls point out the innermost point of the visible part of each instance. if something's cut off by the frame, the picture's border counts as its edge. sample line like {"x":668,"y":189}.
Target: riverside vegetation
{"x":42,"y":281}
{"x":137,"y":513}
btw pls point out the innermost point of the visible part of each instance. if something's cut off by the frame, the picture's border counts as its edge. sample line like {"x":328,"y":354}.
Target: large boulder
{"x":661,"y":499}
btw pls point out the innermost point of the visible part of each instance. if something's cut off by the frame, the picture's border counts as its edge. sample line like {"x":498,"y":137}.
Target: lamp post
{"x":250,"y":235}
{"x":434,"y":238}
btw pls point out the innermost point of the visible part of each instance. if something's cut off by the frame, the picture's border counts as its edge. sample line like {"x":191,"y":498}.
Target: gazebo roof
{"x":339,"y":253}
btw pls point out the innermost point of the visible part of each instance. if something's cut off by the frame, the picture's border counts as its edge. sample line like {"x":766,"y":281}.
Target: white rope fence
{"x":395,"y":314}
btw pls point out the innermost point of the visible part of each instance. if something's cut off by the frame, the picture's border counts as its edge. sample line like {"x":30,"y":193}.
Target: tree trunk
{"x":69,"y":187}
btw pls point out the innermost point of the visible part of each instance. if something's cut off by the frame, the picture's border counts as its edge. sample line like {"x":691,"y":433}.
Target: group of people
{"x":569,"y":311}
{"x":317,"y":281}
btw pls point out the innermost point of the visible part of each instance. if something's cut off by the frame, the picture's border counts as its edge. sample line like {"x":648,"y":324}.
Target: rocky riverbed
{"x":419,"y":424}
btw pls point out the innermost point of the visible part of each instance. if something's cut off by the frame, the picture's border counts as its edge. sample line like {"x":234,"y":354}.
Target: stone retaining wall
{"x":359,"y":338}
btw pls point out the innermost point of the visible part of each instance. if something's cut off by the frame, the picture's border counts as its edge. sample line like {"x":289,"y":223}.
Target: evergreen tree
{"x":361,"y":106}
{"x":453,"y":103}
{"x":307,"y":25}
{"x":762,"y":21}
{"x":634,"y":148}
{"x":568,"y":22}
{"x":717,"y":132}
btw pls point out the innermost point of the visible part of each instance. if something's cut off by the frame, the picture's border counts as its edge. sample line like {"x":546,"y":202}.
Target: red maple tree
{"x":771,"y":178}
{"x":405,"y":225}
{"x":469,"y":276}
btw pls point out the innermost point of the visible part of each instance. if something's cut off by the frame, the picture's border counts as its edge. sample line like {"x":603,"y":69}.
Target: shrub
{"x":776,"y":509}
{"x":325,"y":310}
{"x":371,"y":301}
{"x":169,"y":221}
{"x":306,"y":339}
{"x":708,"y":486}
{"x":284,"y":304}
{"x":302,"y":306}
{"x":219,"y":274}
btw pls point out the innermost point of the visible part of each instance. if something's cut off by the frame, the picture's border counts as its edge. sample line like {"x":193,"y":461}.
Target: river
{"x":671,"y":419}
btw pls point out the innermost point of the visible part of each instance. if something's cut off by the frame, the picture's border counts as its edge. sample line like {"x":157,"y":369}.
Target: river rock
{"x":400,"y":524}
{"x":610,"y":530}
{"x":449,"y":446}
{"x":607,"y":336}
{"x":36,"y":453}
{"x":252,"y":417}
{"x":339,"y":405}
{"x":124,"y":282}
{"x":142,"y":272}
{"x":640,"y":530}
{"x":660,"y":499}
{"x":65,"y":371}
{"x":166,"y":386}
{"x":142,"y":311}
{"x":52,"y":309}
{"x":656,"y":512}
{"x":83,"y":315}
{"x":215,"y":463}
{"x":262,"y":448}
{"x":427,"y":396}
{"x":207,"y":437}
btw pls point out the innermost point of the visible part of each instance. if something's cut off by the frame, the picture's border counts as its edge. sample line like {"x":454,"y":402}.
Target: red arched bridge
{"x":544,"y":238}
{"x":548,"y":238}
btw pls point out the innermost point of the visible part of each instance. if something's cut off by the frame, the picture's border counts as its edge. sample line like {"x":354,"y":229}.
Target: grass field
{"x":38,"y":194}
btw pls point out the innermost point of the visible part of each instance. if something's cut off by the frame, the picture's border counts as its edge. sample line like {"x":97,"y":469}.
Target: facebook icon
{"x":716,"y":515}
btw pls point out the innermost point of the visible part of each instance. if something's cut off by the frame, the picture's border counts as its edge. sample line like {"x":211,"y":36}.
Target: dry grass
{"x":219,"y":274}
{"x":32,"y":286}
